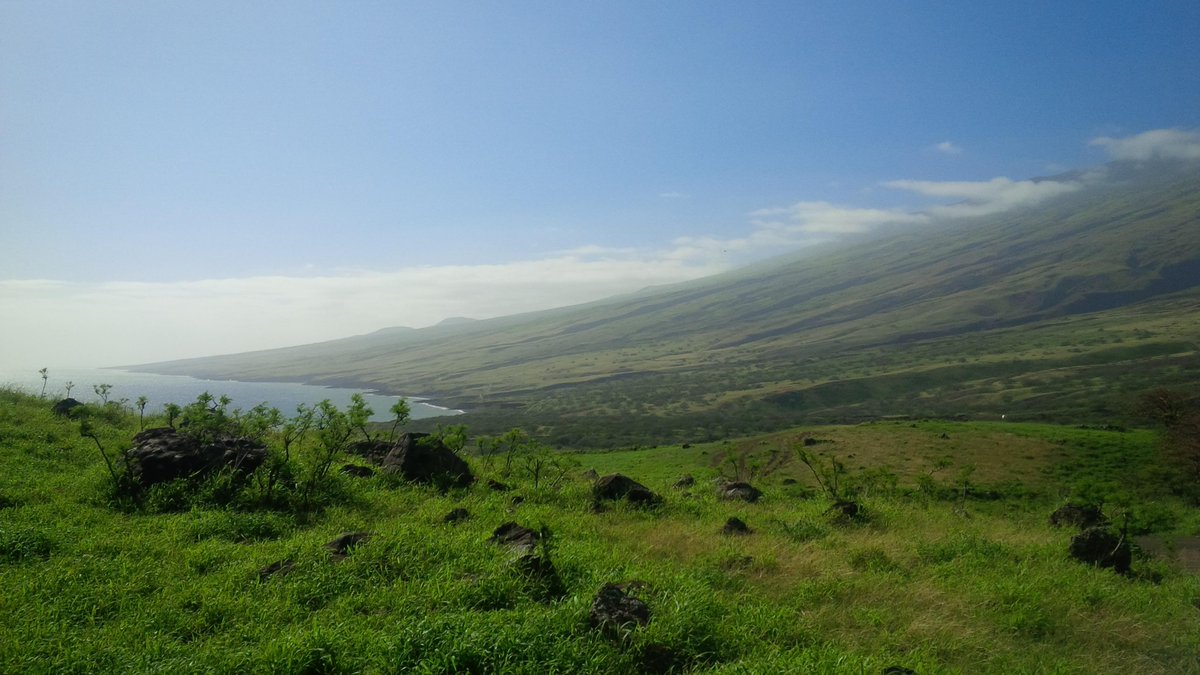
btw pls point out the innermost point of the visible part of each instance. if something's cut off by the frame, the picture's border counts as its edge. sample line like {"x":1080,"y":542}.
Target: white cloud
{"x":982,"y":198}
{"x":94,"y":324}
{"x":948,"y":148}
{"x":1154,"y":144}
{"x":827,"y":218}
{"x":672,"y":195}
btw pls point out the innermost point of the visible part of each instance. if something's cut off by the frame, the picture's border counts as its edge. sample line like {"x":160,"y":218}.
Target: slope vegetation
{"x":1059,"y":312}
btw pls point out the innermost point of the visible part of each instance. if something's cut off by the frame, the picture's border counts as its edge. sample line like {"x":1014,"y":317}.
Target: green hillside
{"x":1060,"y":312}
{"x":951,"y":566}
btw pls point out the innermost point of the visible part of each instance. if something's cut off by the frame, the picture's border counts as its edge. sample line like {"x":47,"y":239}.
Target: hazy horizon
{"x":194,"y":179}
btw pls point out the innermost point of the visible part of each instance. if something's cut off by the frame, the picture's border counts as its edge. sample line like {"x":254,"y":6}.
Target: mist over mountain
{"x":961,"y":311}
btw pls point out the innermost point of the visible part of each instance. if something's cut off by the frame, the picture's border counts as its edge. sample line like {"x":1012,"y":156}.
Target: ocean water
{"x":181,"y":390}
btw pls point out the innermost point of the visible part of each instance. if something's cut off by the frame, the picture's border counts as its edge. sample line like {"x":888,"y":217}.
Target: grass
{"x":921,"y":581}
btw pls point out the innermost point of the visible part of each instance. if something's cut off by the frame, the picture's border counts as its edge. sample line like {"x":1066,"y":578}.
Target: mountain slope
{"x":935,"y":319}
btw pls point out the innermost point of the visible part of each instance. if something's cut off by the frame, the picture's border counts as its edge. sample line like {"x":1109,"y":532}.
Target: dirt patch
{"x":1182,"y":551}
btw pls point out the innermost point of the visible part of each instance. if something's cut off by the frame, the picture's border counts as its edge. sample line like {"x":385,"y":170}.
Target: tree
{"x":70,"y":385}
{"x":45,"y":376}
{"x":359,"y":414}
{"x":102,"y":391}
{"x":400,"y":416}
{"x":172,"y":411}
{"x":141,"y":404}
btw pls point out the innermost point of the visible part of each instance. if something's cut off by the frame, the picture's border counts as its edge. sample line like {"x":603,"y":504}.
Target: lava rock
{"x":684,"y":482}
{"x":64,"y":407}
{"x":616,"y":486}
{"x":496,"y":486}
{"x":613,"y":610}
{"x":515,"y":537}
{"x":844,"y":509}
{"x":541,"y":578}
{"x":1102,"y":547}
{"x":279,"y":567}
{"x":739,"y":490}
{"x":357,"y":471}
{"x":736,"y":526}
{"x":163,"y":454}
{"x":422,"y":459}
{"x":456,"y":515}
{"x":345,"y":543}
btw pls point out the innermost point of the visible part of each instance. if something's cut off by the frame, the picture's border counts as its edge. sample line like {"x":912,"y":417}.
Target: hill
{"x":940,"y":572}
{"x":1059,"y":312}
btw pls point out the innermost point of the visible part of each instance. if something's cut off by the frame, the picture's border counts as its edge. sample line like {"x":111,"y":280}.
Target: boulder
{"x":514,"y":536}
{"x":846,"y":510}
{"x":1102,"y":547}
{"x":590,"y":474}
{"x":279,"y":567}
{"x":735,"y":526}
{"x":739,"y":490}
{"x":616,"y":486}
{"x":374,"y":450}
{"x":163,"y":454}
{"x":685,"y":481}
{"x":341,"y":546}
{"x":1082,"y":516}
{"x":613,"y":610}
{"x":422,"y":459}
{"x":496,"y":486}
{"x":541,"y":578}
{"x":357,"y":471}
{"x":456,"y":515}
{"x":64,"y":407}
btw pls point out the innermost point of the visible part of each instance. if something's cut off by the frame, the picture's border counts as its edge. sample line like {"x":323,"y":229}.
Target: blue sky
{"x":314,"y":170}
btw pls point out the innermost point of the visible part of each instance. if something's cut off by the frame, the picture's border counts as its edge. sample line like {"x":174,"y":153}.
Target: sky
{"x":192,"y":178}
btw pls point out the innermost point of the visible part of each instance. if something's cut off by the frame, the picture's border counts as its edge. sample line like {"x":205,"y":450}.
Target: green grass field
{"x":933,"y":578}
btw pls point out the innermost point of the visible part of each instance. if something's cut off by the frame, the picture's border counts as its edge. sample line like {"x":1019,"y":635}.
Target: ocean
{"x":181,"y":390}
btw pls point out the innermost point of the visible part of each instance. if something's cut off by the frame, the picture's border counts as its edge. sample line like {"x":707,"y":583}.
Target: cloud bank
{"x":73,"y":324}
{"x":1174,"y":144}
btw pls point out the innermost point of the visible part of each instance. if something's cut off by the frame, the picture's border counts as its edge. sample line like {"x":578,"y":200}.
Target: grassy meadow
{"x":952,"y":568}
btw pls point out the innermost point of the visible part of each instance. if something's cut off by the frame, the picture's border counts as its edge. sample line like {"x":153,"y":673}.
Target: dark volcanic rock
{"x":496,"y":486}
{"x":373,"y":450}
{"x":163,"y":454}
{"x":422,"y":459}
{"x":743,"y":491}
{"x":456,"y":515}
{"x":541,"y":577}
{"x":357,"y":471}
{"x":685,"y":481}
{"x":844,"y":509}
{"x":279,"y":567}
{"x":735,"y":526}
{"x":898,"y":670}
{"x":616,"y":486}
{"x":346,"y":542}
{"x":1102,"y":547}
{"x":788,"y":481}
{"x":657,"y":657}
{"x":1082,"y":516}
{"x":516,"y":537}
{"x":591,"y":474}
{"x":65,"y":406}
{"x":614,"y":610}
